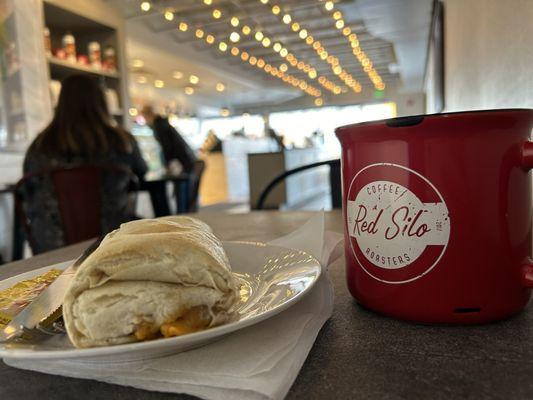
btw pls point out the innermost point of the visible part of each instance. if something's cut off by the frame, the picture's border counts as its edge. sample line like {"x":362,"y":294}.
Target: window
{"x":297,"y":127}
{"x":249,"y":125}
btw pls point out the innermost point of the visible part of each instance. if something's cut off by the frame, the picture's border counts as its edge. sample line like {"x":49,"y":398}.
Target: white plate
{"x":272,"y":278}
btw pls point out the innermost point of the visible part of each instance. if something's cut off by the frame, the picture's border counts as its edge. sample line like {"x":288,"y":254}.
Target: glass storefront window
{"x":249,"y":125}
{"x":301,"y":127}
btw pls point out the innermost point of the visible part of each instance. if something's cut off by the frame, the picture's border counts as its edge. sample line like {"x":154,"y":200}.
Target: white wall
{"x":488,"y":54}
{"x":10,"y":172}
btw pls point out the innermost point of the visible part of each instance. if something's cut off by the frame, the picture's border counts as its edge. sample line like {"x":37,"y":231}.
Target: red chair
{"x":78,"y":192}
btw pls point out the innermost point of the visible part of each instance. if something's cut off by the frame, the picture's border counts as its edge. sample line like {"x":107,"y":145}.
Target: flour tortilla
{"x":148,"y":271}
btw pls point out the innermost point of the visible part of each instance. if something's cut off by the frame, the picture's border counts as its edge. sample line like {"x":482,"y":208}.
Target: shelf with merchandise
{"x":66,"y":67}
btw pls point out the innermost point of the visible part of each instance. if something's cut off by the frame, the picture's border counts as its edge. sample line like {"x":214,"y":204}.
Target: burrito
{"x":148,"y":279}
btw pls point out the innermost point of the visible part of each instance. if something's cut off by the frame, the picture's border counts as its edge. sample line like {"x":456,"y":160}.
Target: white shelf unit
{"x":66,"y":67}
{"x":60,"y":20}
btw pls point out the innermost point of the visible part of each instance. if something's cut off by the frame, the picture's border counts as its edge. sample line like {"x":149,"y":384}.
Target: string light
{"x":199,"y":33}
{"x":189,"y":90}
{"x":363,"y":59}
{"x":220,"y":87}
{"x":194,"y":79}
{"x":142,"y":79}
{"x":136,"y":63}
{"x":303,"y":34}
{"x":268,"y":68}
{"x":266,"y":42}
{"x":177,"y":75}
{"x":208,"y":2}
{"x":169,"y":15}
{"x":183,"y":27}
{"x":234,"y":37}
{"x":210,"y":39}
{"x":145,"y":6}
{"x":234,"y":22}
{"x":319,"y":102}
{"x":217,"y":13}
{"x":158,"y":83}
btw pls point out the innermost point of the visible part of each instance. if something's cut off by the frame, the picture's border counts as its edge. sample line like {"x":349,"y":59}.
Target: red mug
{"x":437,"y":213}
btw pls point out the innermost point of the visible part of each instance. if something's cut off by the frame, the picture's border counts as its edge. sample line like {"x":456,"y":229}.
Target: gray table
{"x":358,"y":354}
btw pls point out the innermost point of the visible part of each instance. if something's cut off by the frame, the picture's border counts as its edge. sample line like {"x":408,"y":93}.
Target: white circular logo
{"x":398,"y":223}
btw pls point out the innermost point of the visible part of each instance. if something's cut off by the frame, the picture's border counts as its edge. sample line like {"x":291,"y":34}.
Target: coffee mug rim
{"x":341,"y":129}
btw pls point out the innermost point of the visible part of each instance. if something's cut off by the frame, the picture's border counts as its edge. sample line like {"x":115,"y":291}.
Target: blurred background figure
{"x":82,"y":132}
{"x":318,"y":137}
{"x":174,"y":147}
{"x":212,"y":143}
{"x":271,"y":133}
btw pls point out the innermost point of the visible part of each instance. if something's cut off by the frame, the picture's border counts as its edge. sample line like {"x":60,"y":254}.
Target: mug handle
{"x":527,"y":164}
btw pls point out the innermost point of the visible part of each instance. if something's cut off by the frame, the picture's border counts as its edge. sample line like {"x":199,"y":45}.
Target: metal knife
{"x":46,"y":305}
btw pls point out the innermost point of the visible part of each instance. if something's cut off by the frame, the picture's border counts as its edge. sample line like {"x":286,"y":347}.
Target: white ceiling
{"x":162,"y":60}
{"x":393,"y":33}
{"x":404,"y":23}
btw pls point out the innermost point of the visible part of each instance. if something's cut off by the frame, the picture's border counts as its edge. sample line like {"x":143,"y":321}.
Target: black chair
{"x":334,"y":181}
{"x":78,"y":192}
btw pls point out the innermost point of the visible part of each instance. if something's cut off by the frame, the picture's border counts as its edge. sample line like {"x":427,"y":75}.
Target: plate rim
{"x":198,"y":337}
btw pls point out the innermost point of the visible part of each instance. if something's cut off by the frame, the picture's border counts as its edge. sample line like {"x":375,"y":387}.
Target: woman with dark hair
{"x":82,"y":132}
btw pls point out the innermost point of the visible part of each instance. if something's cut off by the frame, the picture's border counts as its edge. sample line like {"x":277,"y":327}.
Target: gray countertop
{"x":358,"y":354}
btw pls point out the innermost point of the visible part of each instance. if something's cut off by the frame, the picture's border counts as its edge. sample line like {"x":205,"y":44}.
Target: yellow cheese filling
{"x":193,"y":320}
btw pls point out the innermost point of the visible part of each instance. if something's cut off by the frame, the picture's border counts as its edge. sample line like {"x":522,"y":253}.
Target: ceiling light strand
{"x":260,"y":63}
{"x":306,"y":36}
{"x":357,"y":51}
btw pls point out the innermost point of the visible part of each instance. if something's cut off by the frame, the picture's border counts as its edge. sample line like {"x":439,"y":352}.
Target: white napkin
{"x":259,"y":362}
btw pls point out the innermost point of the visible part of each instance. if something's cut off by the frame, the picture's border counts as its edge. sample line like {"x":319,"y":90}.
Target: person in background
{"x":318,"y":137}
{"x":82,"y":132}
{"x":174,"y":147}
{"x":212,"y":143}
{"x":271,"y":133}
